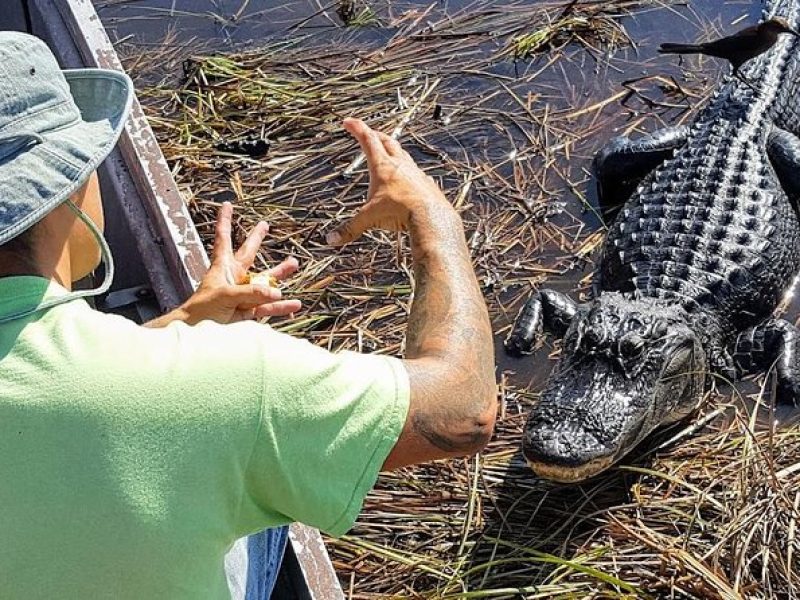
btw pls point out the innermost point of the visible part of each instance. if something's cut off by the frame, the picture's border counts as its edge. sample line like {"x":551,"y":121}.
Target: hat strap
{"x":105,"y":255}
{"x":20,"y":140}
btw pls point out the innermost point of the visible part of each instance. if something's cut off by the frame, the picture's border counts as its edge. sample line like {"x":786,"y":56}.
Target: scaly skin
{"x":702,"y":251}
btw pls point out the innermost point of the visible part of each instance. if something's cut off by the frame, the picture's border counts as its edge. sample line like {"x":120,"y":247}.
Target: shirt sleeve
{"x":328,"y":422}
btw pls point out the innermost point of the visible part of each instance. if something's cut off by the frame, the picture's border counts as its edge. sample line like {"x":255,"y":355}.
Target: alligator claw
{"x":526,"y":330}
{"x":546,"y":310}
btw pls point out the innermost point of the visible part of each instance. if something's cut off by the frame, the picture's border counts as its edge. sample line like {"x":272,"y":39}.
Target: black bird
{"x":739,"y":47}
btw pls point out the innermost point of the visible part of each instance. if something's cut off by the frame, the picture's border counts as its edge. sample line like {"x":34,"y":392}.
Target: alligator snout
{"x":566,"y":456}
{"x":573,"y":445}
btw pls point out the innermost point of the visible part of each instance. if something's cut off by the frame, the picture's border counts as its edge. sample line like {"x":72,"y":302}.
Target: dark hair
{"x":21,"y":244}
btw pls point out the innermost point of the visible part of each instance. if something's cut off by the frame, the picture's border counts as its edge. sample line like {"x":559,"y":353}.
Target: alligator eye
{"x":631,"y":346}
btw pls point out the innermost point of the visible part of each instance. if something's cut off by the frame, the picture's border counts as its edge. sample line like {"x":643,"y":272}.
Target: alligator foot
{"x":622,"y":163}
{"x":783,"y":149}
{"x":546,"y":310}
{"x":775,"y":343}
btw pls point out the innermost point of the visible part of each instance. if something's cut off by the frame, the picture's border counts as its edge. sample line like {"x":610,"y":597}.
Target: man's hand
{"x":398,"y":189}
{"x":223,"y":295}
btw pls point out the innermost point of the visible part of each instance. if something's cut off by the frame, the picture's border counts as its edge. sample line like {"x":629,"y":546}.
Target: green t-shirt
{"x":132,"y":458}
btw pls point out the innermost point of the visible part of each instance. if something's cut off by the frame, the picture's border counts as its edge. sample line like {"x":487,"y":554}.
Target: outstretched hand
{"x":224,"y":294}
{"x":398,"y":188}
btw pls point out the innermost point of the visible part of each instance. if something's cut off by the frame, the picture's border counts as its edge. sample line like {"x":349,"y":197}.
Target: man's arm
{"x":449,"y":348}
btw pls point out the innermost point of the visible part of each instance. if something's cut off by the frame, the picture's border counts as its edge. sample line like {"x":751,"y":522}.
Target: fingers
{"x":391,"y":145}
{"x":354,"y":228}
{"x":368,"y":139}
{"x":285,"y":269}
{"x":222,"y":232}
{"x":280,"y":308}
{"x":257,"y":301}
{"x":246,"y":253}
{"x":252,"y":295}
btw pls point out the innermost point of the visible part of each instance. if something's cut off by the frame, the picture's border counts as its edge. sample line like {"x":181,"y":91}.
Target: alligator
{"x":704,"y":246}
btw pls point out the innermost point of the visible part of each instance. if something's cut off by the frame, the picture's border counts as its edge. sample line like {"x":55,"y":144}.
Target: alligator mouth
{"x":564,"y":474}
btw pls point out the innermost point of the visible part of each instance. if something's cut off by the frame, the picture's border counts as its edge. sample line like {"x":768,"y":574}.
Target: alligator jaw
{"x":565,"y":474}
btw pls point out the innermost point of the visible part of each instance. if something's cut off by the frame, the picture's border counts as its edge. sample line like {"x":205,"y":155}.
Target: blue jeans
{"x":253,"y":563}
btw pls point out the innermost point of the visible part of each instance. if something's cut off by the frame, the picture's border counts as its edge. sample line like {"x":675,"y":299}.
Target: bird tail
{"x":680,"y":49}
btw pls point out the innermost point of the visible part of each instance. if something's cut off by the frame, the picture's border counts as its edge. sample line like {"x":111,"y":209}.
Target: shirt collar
{"x":26,"y":291}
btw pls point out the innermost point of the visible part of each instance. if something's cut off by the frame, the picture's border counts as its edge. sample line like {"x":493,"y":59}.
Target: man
{"x":133,"y":457}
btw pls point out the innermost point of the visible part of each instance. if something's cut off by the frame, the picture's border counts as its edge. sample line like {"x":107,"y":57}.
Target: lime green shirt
{"x":132,"y":458}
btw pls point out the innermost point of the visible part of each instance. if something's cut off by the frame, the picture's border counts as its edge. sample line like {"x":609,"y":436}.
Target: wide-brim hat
{"x":56,"y":127}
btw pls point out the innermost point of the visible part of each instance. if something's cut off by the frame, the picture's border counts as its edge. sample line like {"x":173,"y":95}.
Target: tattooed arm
{"x":449,"y":348}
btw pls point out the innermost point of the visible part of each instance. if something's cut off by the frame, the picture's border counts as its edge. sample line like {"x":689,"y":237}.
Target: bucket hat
{"x":56,"y":127}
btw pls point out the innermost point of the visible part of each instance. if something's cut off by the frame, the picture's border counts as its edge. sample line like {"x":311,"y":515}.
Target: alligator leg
{"x":774,"y":343}
{"x":783,"y":149}
{"x":622,"y":163}
{"x":546,"y":310}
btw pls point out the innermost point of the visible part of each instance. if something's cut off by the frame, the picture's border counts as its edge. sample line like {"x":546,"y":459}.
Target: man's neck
{"x":15,"y":264}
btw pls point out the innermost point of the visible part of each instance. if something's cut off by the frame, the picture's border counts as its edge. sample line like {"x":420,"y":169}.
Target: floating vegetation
{"x":595,"y":31}
{"x":357,"y":13}
{"x":252,"y":147}
{"x":501,"y":145}
{"x":715,"y":516}
{"x":711,"y":515}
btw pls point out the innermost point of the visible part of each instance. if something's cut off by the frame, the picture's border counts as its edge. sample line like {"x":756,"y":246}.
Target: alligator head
{"x":627,"y":367}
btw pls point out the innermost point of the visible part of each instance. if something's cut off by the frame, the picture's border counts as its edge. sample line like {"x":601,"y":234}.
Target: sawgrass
{"x":709,"y":511}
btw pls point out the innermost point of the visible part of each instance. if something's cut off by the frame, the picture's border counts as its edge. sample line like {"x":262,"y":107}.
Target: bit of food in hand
{"x":263,"y":278}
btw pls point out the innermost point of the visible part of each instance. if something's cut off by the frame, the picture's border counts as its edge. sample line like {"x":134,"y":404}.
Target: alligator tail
{"x":680,"y":49}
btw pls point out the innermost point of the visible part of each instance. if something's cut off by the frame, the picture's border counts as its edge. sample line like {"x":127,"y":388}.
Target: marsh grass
{"x":595,"y":31}
{"x":356,"y":13}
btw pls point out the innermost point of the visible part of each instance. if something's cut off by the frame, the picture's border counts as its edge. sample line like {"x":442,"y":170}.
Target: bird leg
{"x":743,"y":79}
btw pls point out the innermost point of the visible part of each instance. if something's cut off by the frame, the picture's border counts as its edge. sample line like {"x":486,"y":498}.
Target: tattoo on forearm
{"x":449,"y":321}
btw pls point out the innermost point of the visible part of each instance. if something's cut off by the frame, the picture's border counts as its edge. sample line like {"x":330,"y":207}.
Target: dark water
{"x":225,"y":24}
{"x":192,"y":26}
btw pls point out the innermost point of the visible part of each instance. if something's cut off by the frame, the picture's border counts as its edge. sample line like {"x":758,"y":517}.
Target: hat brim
{"x":35,"y":181}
